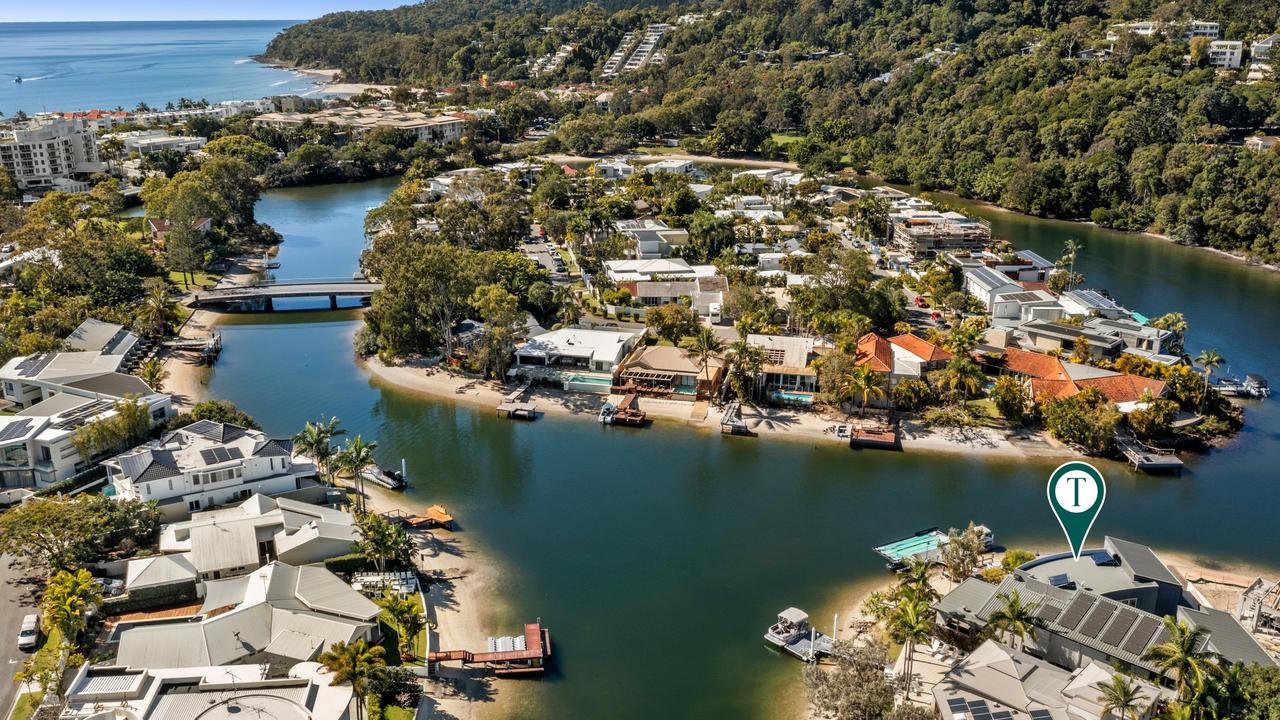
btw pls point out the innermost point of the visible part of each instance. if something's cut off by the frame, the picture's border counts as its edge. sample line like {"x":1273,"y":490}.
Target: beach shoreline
{"x":426,"y":378}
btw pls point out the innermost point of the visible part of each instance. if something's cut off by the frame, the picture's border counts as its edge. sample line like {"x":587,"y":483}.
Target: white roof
{"x":158,"y":570}
{"x":575,"y":342}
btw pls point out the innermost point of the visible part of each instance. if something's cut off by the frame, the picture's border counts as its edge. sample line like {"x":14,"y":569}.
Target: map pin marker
{"x":1076,"y":493}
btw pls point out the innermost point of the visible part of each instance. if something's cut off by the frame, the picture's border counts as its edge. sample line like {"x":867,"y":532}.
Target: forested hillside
{"x":990,"y":98}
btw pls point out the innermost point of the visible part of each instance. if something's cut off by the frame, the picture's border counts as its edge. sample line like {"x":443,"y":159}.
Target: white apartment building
{"x":207,"y":464}
{"x":1226,"y":53}
{"x":38,"y":152}
{"x":144,"y":142}
{"x":218,"y":111}
{"x":438,"y":129}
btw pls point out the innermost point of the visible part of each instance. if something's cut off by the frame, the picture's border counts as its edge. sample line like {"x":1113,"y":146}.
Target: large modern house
{"x":1105,"y":608}
{"x":223,"y":543}
{"x":576,"y":349}
{"x":278,"y":613}
{"x":54,"y":394}
{"x":206,"y":464}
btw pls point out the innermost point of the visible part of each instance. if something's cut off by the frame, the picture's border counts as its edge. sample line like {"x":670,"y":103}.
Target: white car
{"x":29,"y":632}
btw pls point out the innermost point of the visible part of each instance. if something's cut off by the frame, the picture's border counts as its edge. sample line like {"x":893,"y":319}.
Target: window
{"x":46,"y":455}
{"x":193,"y":505}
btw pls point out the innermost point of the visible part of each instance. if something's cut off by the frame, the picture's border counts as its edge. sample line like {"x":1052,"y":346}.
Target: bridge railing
{"x":300,"y":281}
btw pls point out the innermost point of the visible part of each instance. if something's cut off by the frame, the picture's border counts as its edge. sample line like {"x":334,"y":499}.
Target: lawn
{"x":785,"y":139}
{"x":201,"y":278}
{"x":660,"y":150}
{"x":391,"y":637}
{"x":26,"y":706}
{"x":395,"y":712}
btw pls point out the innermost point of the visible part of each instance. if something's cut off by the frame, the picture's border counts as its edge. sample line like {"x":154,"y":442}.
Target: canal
{"x":658,"y":557}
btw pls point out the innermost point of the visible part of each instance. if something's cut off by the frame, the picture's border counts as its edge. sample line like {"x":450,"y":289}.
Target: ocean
{"x":86,"y":65}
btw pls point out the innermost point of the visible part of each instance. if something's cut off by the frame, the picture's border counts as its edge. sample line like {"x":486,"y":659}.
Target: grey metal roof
{"x":1035,"y":259}
{"x":967,"y":599}
{"x":159,"y":570}
{"x":149,"y":465}
{"x":114,"y":384}
{"x":1226,"y":636}
{"x":1141,"y":560}
{"x":988,"y":278}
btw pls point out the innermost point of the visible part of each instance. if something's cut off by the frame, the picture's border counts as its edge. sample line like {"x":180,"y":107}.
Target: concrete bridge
{"x":260,"y":297}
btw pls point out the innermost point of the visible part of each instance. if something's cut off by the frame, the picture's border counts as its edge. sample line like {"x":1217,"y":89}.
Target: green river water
{"x":658,"y":557}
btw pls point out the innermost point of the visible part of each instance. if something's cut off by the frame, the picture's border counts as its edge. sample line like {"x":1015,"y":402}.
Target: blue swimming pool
{"x":795,"y":397}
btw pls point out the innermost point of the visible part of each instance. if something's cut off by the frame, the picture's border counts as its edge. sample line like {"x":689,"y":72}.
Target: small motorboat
{"x":795,"y":636}
{"x":17,"y":79}
{"x":384,"y":477}
{"x":606,"y":414}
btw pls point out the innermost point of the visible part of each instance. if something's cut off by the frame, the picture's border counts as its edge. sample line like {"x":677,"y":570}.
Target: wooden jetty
{"x":508,"y":656}
{"x":731,"y":422}
{"x":209,"y":347}
{"x":626,"y":412}
{"x":794,"y":635}
{"x":883,"y":439}
{"x":1146,"y":458}
{"x":513,"y":407}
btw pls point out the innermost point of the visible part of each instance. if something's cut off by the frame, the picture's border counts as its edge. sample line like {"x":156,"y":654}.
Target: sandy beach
{"x":782,"y":423}
{"x":700,"y":159}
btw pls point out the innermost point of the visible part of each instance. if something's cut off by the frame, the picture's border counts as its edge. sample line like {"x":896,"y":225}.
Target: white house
{"x":223,"y":543}
{"x":675,"y":167}
{"x":568,"y":348}
{"x":1226,"y":53}
{"x":985,"y":284}
{"x":615,"y":169}
{"x":205,"y":464}
{"x":1026,"y":305}
{"x":1090,"y":303}
{"x":658,"y":269}
{"x":1261,"y":49}
{"x":278,"y":610}
{"x":145,"y":142}
{"x":651,"y":239}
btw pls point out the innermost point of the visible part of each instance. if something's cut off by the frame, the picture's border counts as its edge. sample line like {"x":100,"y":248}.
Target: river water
{"x":657,"y":557}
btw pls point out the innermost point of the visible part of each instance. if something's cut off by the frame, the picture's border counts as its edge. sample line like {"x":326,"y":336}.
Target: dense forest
{"x":989,"y":98}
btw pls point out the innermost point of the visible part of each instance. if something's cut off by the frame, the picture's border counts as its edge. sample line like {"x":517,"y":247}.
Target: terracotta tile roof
{"x":1123,"y":388}
{"x":875,"y":351}
{"x":1033,"y":365}
{"x":1053,"y":388}
{"x":920,"y":347}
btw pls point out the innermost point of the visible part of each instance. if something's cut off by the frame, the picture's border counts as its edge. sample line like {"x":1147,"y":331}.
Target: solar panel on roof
{"x":1137,"y":641}
{"x":1048,"y":612}
{"x":1075,"y":611}
{"x":978,"y":706}
{"x":957,"y":705}
{"x":1002,"y":715}
{"x":1120,"y":626}
{"x":34,"y":364}
{"x":1041,"y":715}
{"x":1097,"y":620}
{"x":15,"y":430}
{"x":1062,"y":580}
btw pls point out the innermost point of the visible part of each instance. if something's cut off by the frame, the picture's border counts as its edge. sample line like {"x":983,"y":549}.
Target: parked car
{"x":29,"y":632}
{"x":920,"y":302}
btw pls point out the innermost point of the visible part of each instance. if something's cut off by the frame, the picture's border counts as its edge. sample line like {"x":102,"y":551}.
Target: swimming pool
{"x":795,"y":397}
{"x":590,"y":379}
{"x":599,"y":384}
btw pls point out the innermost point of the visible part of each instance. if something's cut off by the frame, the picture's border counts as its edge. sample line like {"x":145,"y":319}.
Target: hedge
{"x":344,"y":564}
{"x":74,"y":482}
{"x":150,"y":597}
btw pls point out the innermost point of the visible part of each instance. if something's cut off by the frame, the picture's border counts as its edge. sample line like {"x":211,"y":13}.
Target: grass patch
{"x":391,"y":637}
{"x":785,"y":139}
{"x":660,"y":150}
{"x":395,"y":712}
{"x":47,"y":655}
{"x":26,"y":706}
{"x":201,"y":278}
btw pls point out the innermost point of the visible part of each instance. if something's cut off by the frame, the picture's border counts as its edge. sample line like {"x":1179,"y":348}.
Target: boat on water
{"x":17,"y":78}
{"x":1253,"y":385}
{"x":924,"y":545}
{"x":625,"y":412}
{"x":384,"y":477}
{"x":794,"y":635}
{"x":606,"y":413}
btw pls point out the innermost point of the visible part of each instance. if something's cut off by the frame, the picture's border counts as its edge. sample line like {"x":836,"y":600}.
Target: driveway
{"x":16,"y":600}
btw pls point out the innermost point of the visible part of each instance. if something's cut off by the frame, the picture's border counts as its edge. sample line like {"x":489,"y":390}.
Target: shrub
{"x":1009,"y":398}
{"x":1016,"y":557}
{"x":912,"y":395}
{"x":366,"y":342}
{"x":345,"y":564}
{"x":1086,"y":419}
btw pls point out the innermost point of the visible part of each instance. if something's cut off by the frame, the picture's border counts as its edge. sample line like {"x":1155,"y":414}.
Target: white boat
{"x":795,"y":636}
{"x":606,"y":413}
{"x":385,"y":477}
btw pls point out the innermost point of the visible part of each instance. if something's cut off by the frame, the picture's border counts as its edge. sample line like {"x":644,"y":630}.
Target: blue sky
{"x":17,"y":11}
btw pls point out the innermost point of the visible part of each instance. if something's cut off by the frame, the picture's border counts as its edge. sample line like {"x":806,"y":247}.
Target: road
{"x":15,"y":602}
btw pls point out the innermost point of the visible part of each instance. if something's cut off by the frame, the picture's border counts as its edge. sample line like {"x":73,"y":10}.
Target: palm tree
{"x":406,"y":614}
{"x":1014,"y":618}
{"x":355,"y":457}
{"x":704,"y":346}
{"x":910,"y":623}
{"x":1120,"y":696}
{"x":156,"y":312}
{"x":316,"y":441}
{"x":354,"y":663}
{"x":745,"y":364}
{"x":1210,"y":360}
{"x":66,"y":600}
{"x":1180,"y":655}
{"x":153,"y":373}
{"x":1070,"y":250}
{"x":961,"y":378}
{"x":914,"y":582}
{"x":382,"y":541}
{"x":860,"y":382}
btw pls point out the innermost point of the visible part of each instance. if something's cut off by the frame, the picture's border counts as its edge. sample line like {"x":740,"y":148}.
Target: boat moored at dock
{"x":923,"y":545}
{"x":384,"y":477}
{"x":795,"y":636}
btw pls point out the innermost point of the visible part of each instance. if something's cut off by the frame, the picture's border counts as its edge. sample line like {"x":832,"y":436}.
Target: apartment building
{"x":39,"y":152}
{"x":438,"y":129}
{"x":1226,"y":54}
{"x":922,"y":234}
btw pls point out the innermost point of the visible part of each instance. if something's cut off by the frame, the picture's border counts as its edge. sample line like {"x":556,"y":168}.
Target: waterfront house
{"x":96,"y":336}
{"x":1138,"y":339}
{"x":670,"y":372}
{"x":1090,"y":303}
{"x":899,"y":357}
{"x":704,"y":294}
{"x":996,"y":680}
{"x":55,"y":394}
{"x":787,"y":371}
{"x":437,"y":129}
{"x":985,"y":284}
{"x":1024,"y":305}
{"x":1077,"y":623}
{"x":675,"y":167}
{"x":1057,"y":336}
{"x":159,"y":228}
{"x":1053,"y":377}
{"x":206,"y":464}
{"x":304,"y":691}
{"x":227,"y":542}
{"x":277,"y":612}
{"x":615,"y":169}
{"x":576,"y":349}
